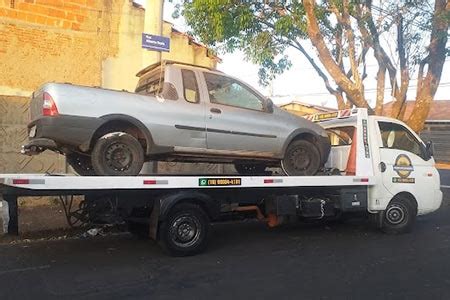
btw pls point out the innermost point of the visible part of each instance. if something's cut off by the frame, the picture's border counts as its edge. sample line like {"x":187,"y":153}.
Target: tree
{"x":406,"y":38}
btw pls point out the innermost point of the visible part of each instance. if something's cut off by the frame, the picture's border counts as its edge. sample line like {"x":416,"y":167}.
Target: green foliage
{"x":263,"y":31}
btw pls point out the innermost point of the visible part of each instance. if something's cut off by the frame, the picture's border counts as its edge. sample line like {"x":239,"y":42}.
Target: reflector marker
{"x":360,"y":179}
{"x":153,"y":181}
{"x":28,"y":181}
{"x":273,"y":180}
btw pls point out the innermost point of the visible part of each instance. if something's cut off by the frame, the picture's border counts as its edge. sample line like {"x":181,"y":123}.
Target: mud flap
{"x":154,"y":220}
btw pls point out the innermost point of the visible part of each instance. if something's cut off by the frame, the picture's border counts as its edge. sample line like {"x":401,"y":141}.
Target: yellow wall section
{"x":87,"y":42}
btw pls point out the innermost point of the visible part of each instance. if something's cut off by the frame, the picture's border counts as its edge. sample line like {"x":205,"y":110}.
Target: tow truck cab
{"x":400,"y":162}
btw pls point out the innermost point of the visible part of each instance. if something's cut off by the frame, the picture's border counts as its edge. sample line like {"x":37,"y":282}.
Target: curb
{"x":443,"y":166}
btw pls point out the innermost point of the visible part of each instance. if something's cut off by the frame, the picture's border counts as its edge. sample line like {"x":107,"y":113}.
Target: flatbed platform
{"x":39,"y":184}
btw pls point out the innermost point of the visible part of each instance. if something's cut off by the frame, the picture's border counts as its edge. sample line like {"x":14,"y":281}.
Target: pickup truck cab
{"x":179,"y":112}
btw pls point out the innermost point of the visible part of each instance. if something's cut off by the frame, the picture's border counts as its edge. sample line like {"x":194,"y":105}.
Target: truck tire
{"x":81,"y":164}
{"x":399,"y":216}
{"x":117,"y":154}
{"x":185,"y":230}
{"x":302,"y":158}
{"x":250,"y":169}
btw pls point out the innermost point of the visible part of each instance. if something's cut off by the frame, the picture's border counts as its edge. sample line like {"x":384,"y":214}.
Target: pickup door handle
{"x":215,"y":110}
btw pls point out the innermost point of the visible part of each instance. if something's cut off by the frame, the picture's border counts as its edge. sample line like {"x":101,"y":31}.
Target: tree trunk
{"x":437,"y":53}
{"x":354,"y":94}
{"x":381,"y":82}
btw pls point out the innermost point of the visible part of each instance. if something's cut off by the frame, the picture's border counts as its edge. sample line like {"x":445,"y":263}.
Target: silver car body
{"x":193,"y":130}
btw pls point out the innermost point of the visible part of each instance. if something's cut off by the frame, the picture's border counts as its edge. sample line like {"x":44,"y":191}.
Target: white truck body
{"x":390,"y":161}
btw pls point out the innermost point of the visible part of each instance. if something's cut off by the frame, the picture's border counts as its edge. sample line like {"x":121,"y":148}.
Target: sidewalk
{"x":443,"y":165}
{"x":38,"y":219}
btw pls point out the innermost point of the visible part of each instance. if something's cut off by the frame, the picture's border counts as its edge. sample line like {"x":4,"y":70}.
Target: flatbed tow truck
{"x":377,"y":166}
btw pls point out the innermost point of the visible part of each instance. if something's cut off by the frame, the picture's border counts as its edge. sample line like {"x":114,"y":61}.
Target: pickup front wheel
{"x":117,"y":154}
{"x":302,"y":158}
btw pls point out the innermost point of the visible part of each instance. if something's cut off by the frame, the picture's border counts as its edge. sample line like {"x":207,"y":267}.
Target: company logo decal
{"x":403,"y":167}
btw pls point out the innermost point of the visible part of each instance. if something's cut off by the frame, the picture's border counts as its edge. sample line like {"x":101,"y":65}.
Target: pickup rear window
{"x":151,"y":84}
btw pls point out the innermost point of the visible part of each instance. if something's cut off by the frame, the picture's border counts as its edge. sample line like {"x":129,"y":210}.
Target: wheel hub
{"x":299,"y":159}
{"x":185,"y":231}
{"x":118,"y":156}
{"x":395,"y":214}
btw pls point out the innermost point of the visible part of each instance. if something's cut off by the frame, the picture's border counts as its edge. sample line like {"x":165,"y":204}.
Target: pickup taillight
{"x":49,"y":106}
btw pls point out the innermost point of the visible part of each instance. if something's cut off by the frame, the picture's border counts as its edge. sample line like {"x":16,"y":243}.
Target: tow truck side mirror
{"x":430,"y":148}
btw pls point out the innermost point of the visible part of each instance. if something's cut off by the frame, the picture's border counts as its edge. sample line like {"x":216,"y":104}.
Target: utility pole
{"x":153,"y":24}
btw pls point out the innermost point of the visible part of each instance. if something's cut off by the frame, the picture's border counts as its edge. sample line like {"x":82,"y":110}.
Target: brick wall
{"x":57,"y":13}
{"x":56,"y":40}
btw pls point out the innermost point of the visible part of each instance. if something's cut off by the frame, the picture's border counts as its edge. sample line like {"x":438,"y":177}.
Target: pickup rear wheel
{"x":80,"y":164}
{"x":302,"y":158}
{"x":117,"y":154}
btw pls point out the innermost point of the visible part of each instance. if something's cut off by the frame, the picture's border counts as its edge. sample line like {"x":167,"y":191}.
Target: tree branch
{"x":352,"y":91}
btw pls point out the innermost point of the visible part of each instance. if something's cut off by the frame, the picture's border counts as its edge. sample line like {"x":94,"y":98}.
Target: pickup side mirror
{"x":269,"y":105}
{"x":430,"y":148}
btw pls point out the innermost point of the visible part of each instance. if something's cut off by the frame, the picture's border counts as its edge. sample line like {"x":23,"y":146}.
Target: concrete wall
{"x":14,"y":115}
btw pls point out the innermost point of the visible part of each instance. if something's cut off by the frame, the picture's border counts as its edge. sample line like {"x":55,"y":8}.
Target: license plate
{"x":32,"y":131}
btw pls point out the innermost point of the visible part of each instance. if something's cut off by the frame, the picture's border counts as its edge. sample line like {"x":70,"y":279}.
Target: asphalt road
{"x":244,"y":261}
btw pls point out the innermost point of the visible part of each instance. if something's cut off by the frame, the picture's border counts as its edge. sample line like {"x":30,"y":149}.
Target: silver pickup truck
{"x":178,"y":112}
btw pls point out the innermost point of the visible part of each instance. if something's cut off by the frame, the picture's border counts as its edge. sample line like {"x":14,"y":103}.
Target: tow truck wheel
{"x":81,"y":164}
{"x":399,"y":216}
{"x":302,"y":158}
{"x":185,"y":230}
{"x":117,"y":154}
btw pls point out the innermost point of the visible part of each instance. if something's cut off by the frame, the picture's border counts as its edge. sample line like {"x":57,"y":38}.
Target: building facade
{"x":85,"y":42}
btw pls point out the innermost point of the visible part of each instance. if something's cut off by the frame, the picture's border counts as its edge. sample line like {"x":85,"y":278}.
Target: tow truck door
{"x":405,"y":164}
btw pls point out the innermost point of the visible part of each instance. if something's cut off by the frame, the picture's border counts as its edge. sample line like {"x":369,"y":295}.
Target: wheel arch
{"x":408,"y":197}
{"x":121,"y":121}
{"x":301,"y":133}
{"x":167,"y":203}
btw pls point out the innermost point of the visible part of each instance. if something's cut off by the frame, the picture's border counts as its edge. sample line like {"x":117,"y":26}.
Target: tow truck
{"x":377,"y":166}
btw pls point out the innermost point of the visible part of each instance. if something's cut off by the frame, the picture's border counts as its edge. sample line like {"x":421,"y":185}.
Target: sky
{"x":301,"y":82}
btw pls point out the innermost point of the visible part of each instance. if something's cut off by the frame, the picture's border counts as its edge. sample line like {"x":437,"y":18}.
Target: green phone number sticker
{"x":219,"y":181}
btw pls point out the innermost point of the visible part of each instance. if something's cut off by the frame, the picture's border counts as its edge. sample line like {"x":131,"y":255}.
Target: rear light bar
{"x":49,"y":108}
